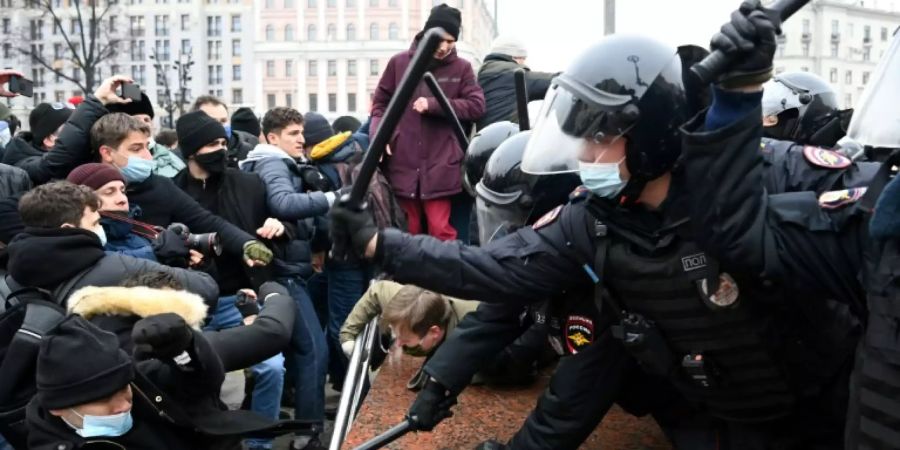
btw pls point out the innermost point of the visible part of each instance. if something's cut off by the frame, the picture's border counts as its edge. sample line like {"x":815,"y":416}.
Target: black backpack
{"x":27,"y":314}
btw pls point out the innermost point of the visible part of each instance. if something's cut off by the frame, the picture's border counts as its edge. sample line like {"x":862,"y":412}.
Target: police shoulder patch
{"x":579,"y":333}
{"x":827,"y":159}
{"x":547,"y":218}
{"x":837,"y":199}
{"x":580,"y":193}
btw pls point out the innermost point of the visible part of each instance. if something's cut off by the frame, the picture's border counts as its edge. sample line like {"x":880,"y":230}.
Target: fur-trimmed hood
{"x":137,"y":301}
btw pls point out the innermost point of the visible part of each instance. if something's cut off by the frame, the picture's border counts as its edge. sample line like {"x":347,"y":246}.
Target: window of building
{"x":137,"y":25}
{"x":804,"y":69}
{"x":373,"y":32}
{"x":57,"y":51}
{"x":351,"y":3}
{"x":848,"y":100}
{"x":270,"y":68}
{"x":270,"y":4}
{"x":331,"y":3}
{"x":351,"y":67}
{"x":288,"y":68}
{"x":214,"y":26}
{"x":237,"y":96}
{"x":311,"y":33}
{"x":235,"y":47}
{"x":113,"y":25}
{"x":185,"y":46}
{"x":393,"y":31}
{"x":332,"y":102}
{"x":235,"y":23}
{"x":162,"y":25}
{"x":310,"y":3}
{"x":185,"y":22}
{"x":867,"y":34}
{"x":866,"y":53}
{"x":163,"y":51}
{"x":848,"y":77}
{"x":392,"y":3}
{"x":833,"y":75}
{"x":884,"y":34}
{"x":137,"y":50}
{"x":6,"y":24}
{"x":288,"y":3}
{"x":806,"y":49}
{"x":236,"y":72}
{"x":270,"y":100}
{"x":288,"y":33}
{"x":7,"y":50}
{"x":351,"y":32}
{"x":313,"y":102}
{"x":865,"y":78}
{"x":332,"y":68}
{"x":850,"y":30}
{"x":373,"y":3}
{"x":351,"y":102}
{"x":331,"y":33}
{"x":835,"y":27}
{"x":374,"y":68}
{"x":289,"y":100}
{"x":213,"y":49}
{"x":270,"y":32}
{"x":805,"y":26}
{"x":834,"y":50}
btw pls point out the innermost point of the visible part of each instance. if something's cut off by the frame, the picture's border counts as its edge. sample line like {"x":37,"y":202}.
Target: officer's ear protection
{"x":805,"y":98}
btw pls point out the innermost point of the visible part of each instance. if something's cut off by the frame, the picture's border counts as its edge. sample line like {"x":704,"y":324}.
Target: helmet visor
{"x":497,"y":213}
{"x":876,"y":121}
{"x":778,"y":97}
{"x":568,"y":123}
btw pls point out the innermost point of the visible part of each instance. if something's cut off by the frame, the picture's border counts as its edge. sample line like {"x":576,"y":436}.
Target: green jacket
{"x":168,"y":164}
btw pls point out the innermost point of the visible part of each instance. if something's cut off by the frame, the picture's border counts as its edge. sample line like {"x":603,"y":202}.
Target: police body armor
{"x":724,"y":340}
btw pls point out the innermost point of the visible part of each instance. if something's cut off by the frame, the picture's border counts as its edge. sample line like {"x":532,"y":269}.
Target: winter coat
{"x":497,"y":78}
{"x":426,"y":154}
{"x":121,"y":239}
{"x":289,"y":200}
{"x":163,"y":203}
{"x":117,"y":309}
{"x":71,"y":150}
{"x":239,"y":145}
{"x":184,"y":413}
{"x":167,"y":163}
{"x":49,"y":257}
{"x":13,"y":180}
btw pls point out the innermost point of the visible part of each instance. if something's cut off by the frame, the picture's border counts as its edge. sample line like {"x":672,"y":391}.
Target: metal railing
{"x":355,"y":383}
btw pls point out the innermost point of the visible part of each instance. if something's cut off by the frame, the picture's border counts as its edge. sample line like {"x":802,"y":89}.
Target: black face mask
{"x":213,"y":162}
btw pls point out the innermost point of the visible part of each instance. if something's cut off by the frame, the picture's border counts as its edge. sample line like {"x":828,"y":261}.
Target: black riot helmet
{"x":623,"y":86}
{"x":480,"y":149}
{"x":806,"y":107}
{"x":508,"y":198}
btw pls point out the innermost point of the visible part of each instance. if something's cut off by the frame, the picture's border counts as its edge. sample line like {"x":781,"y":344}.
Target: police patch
{"x":579,"y":333}
{"x":828,"y":159}
{"x":548,"y":218}
{"x":837,"y":199}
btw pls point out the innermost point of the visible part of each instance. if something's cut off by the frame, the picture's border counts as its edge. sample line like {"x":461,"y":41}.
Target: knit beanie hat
{"x":509,"y":45}
{"x":46,"y":118}
{"x":196,"y":129}
{"x":94,"y":175}
{"x":445,"y":17}
{"x":244,"y":120}
{"x":315,"y":129}
{"x":134,"y":108}
{"x":346,"y":123}
{"x":80,"y":363}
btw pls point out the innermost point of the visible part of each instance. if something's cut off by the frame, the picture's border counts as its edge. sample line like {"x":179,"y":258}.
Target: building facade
{"x":213,"y":39}
{"x":328,"y":55}
{"x":841,"y":41}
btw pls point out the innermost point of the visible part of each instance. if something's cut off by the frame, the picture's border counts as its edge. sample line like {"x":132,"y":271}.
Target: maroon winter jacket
{"x":426,"y":155}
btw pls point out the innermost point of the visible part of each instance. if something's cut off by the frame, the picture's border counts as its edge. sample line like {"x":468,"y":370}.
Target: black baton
{"x":398,"y":104}
{"x":396,"y":432}
{"x":448,"y":110}
{"x":522,"y":100}
{"x":715,"y":64}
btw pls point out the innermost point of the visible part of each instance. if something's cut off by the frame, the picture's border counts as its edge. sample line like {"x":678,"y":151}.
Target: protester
{"x":239,"y":142}
{"x":167,"y":164}
{"x":346,"y":123}
{"x":244,"y":120}
{"x":169,"y":139}
{"x":497,"y":77}
{"x":423,"y":163}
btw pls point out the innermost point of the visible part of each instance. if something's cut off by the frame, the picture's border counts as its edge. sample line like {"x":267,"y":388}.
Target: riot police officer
{"x":480,"y":149}
{"x":760,"y":374}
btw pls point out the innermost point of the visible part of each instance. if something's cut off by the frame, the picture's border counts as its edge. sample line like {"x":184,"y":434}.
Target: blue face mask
{"x":227,"y":127}
{"x":137,"y":169}
{"x":96,"y":426}
{"x":603,"y":179}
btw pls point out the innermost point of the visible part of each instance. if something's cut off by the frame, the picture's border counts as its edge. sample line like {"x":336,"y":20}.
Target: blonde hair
{"x":416,"y":309}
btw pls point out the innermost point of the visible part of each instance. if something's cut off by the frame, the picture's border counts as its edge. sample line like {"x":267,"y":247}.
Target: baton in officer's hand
{"x":396,"y":432}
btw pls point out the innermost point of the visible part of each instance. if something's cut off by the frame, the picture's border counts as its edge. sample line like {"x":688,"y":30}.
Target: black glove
{"x":271,"y":287}
{"x":246,"y":305}
{"x":171,"y":249}
{"x":162,"y":336}
{"x":491,"y":445}
{"x":431,"y":406}
{"x":749,"y":40}
{"x":351,"y":231}
{"x":313,"y":180}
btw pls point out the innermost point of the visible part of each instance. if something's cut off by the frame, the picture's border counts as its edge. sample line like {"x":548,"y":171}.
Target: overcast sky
{"x":556,"y":32}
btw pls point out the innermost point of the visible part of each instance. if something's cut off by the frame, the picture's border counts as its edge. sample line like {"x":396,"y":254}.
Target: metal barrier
{"x":355,"y":383}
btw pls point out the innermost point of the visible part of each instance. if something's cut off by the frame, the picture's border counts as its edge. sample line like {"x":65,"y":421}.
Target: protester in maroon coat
{"x":425,"y":157}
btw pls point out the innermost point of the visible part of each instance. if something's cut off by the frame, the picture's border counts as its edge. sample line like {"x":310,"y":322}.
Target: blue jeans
{"x":307,"y":360}
{"x":345,"y":286}
{"x":268,"y":375}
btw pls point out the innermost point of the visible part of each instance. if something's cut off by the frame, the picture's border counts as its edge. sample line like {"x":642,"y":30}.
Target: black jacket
{"x":163,"y":203}
{"x":72,"y":146}
{"x":13,"y":180}
{"x":174,"y":407}
{"x":497,"y":80}
{"x":47,"y":258}
{"x":239,"y":198}
{"x":239,"y":145}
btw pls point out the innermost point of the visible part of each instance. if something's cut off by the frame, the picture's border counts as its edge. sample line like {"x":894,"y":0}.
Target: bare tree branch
{"x":40,"y":60}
